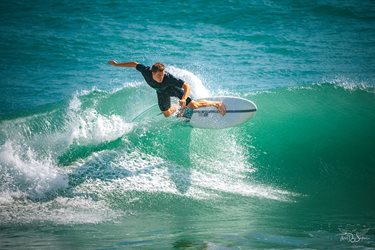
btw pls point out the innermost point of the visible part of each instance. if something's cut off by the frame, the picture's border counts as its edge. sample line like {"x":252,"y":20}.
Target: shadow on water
{"x":168,"y":138}
{"x":170,"y":142}
{"x":178,"y":151}
{"x":190,"y":244}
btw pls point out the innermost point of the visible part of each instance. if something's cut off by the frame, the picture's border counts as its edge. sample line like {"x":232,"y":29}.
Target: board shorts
{"x":164,"y":97}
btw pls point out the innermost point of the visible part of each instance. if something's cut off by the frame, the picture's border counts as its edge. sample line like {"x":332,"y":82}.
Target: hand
{"x":112,"y":62}
{"x":183,"y":103}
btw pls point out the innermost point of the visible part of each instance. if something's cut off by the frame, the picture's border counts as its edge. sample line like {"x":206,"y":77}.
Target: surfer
{"x":166,"y":85}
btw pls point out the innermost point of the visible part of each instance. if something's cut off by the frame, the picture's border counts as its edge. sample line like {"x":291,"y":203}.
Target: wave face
{"x":315,"y":140}
{"x":318,"y":140}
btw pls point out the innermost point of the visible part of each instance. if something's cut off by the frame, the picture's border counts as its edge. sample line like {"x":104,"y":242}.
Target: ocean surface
{"x":78,"y":171}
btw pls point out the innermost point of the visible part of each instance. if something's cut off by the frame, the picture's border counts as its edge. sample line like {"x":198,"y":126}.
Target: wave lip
{"x":349,"y":84}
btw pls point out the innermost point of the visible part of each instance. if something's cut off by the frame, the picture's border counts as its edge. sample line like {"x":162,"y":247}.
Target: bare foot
{"x":221,"y":108}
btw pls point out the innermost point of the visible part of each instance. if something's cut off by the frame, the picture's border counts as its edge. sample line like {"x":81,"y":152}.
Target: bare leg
{"x":203,"y":103}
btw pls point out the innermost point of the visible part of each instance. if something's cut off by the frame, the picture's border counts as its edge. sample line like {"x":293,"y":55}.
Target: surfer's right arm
{"x":123,"y":64}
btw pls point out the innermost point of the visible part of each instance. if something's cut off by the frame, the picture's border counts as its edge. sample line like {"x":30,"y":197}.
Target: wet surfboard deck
{"x":238,"y":111}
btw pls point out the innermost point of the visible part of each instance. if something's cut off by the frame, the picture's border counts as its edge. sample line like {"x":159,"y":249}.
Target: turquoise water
{"x":78,"y":172}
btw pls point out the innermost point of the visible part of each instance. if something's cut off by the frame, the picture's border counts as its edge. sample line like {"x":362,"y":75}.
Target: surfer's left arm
{"x":186,"y":88}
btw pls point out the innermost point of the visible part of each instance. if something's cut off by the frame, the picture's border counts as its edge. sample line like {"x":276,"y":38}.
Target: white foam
{"x":90,"y":127}
{"x":156,"y":181}
{"x":32,"y":144}
{"x":198,"y":90}
{"x":133,"y":84}
{"x":35,"y":177}
{"x":227,"y":169}
{"x":26,"y":179}
{"x":75,"y":103}
{"x":147,"y":173}
{"x":84,"y":92}
{"x":61,"y":210}
{"x":6,"y":197}
{"x":224,"y":184}
{"x":350,"y":84}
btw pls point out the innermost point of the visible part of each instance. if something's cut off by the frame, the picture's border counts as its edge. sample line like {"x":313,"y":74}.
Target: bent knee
{"x":193,"y":105}
{"x":169,"y":112}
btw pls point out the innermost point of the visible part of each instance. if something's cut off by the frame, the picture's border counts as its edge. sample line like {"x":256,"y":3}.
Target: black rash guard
{"x":170,"y":86}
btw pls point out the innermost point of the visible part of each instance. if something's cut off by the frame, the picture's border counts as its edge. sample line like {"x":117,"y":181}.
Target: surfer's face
{"x":158,"y":76}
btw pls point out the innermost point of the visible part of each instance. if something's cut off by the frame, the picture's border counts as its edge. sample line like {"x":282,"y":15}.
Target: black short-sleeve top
{"x":168,"y":81}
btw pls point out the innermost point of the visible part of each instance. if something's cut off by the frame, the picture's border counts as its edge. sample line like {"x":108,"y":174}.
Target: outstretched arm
{"x":123,"y":64}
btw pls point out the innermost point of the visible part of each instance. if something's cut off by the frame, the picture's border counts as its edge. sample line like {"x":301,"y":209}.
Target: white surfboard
{"x":238,"y":111}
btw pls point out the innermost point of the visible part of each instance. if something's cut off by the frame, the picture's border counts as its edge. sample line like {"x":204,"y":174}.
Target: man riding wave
{"x":167,"y":86}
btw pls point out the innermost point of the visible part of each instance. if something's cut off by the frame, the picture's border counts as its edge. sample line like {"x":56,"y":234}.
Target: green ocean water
{"x":78,"y":172}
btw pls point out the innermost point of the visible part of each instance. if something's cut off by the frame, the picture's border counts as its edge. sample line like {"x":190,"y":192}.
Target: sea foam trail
{"x":33,"y":185}
{"x":61,"y":210}
{"x":140,"y":172}
{"x":22,"y":172}
{"x":29,"y":155}
{"x":88,"y":126}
